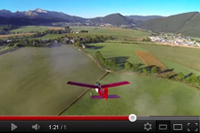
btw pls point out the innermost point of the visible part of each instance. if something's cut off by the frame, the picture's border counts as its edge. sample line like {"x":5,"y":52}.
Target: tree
{"x":110,"y":62}
{"x":198,"y":78}
{"x":193,"y":79}
{"x":144,"y":70}
{"x":135,"y":67}
{"x":100,"y":57}
{"x":180,"y":76}
{"x":153,"y":70}
{"x":67,"y":28}
{"x":167,"y":76}
{"x":78,"y":43}
{"x":127,"y":66}
{"x":111,"y":38}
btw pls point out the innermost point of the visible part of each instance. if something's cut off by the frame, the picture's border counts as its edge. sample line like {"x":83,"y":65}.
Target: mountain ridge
{"x":54,"y":16}
{"x":185,"y":23}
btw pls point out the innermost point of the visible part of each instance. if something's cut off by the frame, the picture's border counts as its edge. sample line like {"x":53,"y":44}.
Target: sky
{"x":96,"y":8}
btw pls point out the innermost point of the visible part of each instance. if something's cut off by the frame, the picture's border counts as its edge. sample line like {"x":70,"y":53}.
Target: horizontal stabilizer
{"x":113,"y":96}
{"x":81,"y":84}
{"x":97,"y":97}
{"x":102,"y":97}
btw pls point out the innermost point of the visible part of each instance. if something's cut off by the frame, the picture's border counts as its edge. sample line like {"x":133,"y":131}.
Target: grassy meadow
{"x":144,"y":96}
{"x":28,"y":29}
{"x":180,"y":59}
{"x":115,"y":32}
{"x":33,"y":80}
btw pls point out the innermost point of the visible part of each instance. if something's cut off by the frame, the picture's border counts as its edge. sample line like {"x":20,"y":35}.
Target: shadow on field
{"x":148,"y":68}
{"x":173,"y":76}
{"x":187,"y":76}
{"x":167,"y":70}
{"x":140,"y":64}
{"x":120,"y":60}
{"x":94,"y":47}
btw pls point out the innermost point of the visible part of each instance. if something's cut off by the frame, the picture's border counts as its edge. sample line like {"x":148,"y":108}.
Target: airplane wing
{"x":82,"y":84}
{"x":115,"y":84}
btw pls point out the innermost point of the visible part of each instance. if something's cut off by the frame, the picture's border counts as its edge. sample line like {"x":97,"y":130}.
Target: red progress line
{"x":39,"y":118}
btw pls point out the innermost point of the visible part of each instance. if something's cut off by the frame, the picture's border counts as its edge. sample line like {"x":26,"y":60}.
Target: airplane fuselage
{"x":99,"y":91}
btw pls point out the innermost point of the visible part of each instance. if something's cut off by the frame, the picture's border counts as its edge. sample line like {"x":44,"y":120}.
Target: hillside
{"x":143,"y":18}
{"x":114,"y":19}
{"x":186,"y":23}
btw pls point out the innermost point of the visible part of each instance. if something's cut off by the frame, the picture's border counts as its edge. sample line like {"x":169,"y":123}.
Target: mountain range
{"x":185,"y":23}
{"x":40,"y":16}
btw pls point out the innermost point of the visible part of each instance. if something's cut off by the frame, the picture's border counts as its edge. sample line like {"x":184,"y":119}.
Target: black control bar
{"x":190,"y":126}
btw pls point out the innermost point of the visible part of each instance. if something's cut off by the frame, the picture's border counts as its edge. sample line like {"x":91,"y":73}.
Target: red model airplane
{"x":102,"y":90}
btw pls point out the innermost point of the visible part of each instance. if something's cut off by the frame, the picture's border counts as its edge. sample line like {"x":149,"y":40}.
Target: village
{"x":174,"y":39}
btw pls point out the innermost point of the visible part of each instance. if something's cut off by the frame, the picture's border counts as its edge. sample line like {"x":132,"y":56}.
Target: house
{"x":83,"y":45}
{"x":8,"y":41}
{"x":72,"y":41}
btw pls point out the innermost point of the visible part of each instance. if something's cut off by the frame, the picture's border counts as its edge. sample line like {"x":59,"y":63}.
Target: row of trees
{"x":137,"y":68}
{"x":40,"y":34}
{"x":146,"y":39}
{"x":189,"y":78}
{"x":105,"y":62}
{"x":89,"y":39}
{"x":5,"y":29}
{"x":23,"y":42}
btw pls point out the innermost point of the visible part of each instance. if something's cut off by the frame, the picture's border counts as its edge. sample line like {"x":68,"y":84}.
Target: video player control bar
{"x":101,"y":124}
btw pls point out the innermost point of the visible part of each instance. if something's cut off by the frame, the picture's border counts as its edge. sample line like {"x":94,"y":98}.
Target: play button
{"x":13,"y":127}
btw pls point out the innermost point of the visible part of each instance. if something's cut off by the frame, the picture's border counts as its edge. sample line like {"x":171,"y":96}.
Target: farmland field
{"x":149,"y":59}
{"x":28,"y":29}
{"x":115,"y":32}
{"x":144,"y":96}
{"x":93,"y":31}
{"x":13,"y":35}
{"x":56,"y":28}
{"x":33,"y":80}
{"x":180,"y":59}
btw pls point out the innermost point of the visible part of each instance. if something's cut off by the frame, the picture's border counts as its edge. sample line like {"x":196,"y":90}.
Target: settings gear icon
{"x":147,"y":126}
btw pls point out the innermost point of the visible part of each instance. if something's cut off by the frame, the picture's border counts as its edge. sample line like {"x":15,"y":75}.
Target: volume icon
{"x":36,"y":127}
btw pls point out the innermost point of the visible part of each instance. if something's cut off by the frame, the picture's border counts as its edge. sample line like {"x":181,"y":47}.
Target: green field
{"x":33,"y":80}
{"x":115,"y":32}
{"x":180,"y":59}
{"x":28,"y":29}
{"x":183,"y":57}
{"x":92,"y":31}
{"x":144,"y":96}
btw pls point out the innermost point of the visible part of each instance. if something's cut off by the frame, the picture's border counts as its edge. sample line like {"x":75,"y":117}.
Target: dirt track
{"x":56,"y":28}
